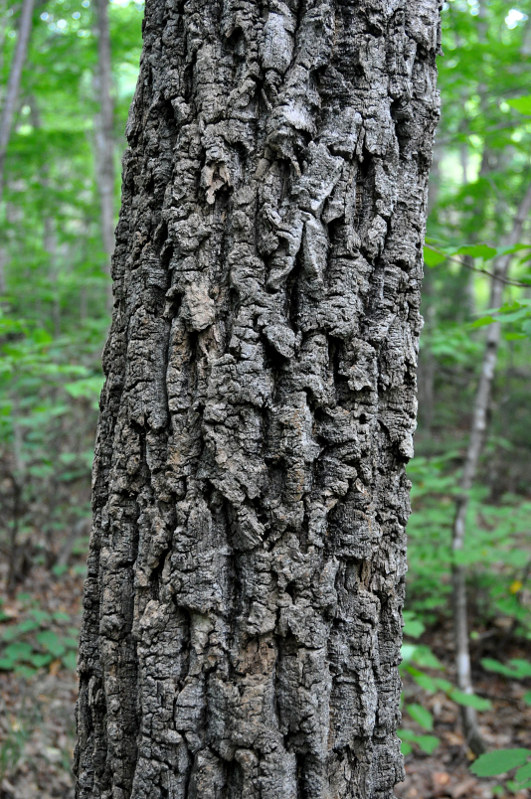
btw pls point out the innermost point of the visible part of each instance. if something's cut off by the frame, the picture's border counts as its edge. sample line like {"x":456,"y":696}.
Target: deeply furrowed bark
{"x":242,"y":621}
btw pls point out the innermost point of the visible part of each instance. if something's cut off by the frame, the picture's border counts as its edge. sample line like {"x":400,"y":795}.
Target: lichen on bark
{"x":242,"y":608}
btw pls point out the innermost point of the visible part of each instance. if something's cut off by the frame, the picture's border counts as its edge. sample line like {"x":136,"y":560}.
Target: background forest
{"x":68,"y":70}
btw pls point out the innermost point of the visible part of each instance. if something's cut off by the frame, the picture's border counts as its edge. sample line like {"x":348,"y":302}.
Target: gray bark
{"x":242,"y":608}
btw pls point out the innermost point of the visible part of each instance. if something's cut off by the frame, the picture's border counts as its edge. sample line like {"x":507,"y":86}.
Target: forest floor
{"x":37,"y":713}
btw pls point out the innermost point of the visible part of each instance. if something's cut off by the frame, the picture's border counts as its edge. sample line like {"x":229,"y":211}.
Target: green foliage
{"x":521,"y":104}
{"x":53,"y":319}
{"x":416,"y":658}
{"x":34,"y":643}
{"x":426,"y":743}
{"x":421,"y":716}
{"x":53,"y":312}
{"x":481,"y":170}
{"x":469,"y":700}
{"x":12,"y":745}
{"x":495,"y":550}
{"x":517,"y":669}
{"x":500,"y":761}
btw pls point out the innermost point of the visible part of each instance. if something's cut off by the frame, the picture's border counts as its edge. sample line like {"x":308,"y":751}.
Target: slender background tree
{"x":104,"y":129}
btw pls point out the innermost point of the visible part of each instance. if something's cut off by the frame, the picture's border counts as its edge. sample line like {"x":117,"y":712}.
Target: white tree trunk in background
{"x":478,"y":429}
{"x":9,"y":105}
{"x":104,"y":131}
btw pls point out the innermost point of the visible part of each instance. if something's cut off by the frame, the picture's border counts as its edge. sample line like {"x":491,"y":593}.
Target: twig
{"x":494,"y":276}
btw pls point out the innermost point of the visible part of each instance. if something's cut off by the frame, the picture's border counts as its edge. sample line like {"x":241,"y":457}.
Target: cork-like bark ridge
{"x":242,"y":608}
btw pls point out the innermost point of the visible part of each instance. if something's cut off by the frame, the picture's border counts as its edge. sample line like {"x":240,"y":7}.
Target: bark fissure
{"x":264,"y":343}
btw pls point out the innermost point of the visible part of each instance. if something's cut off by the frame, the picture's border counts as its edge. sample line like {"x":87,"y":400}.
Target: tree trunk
{"x":427,"y":364}
{"x":242,"y":608}
{"x":104,"y":134}
{"x":476,"y":440}
{"x":13,"y":83}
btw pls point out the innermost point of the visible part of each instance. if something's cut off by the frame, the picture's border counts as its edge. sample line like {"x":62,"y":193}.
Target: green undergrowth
{"x":36,"y":640}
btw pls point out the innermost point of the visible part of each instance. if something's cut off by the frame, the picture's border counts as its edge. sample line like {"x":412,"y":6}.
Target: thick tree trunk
{"x":242,"y":621}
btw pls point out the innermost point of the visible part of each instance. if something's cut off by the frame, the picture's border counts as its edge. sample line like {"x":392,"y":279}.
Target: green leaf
{"x":405,"y":748}
{"x":521,"y":104}
{"x":444,"y":685}
{"x":412,"y":625}
{"x":527,"y":697}
{"x":38,"y":660}
{"x":408,"y":652}
{"x":421,"y":716}
{"x":483,"y":321}
{"x":428,"y":743}
{"x":518,"y":669}
{"x":10,"y":633}
{"x":59,"y":615}
{"x":70,"y":660}
{"x":477,"y":251}
{"x":432,"y":257}
{"x":27,"y":626}
{"x":498,"y":762}
{"x":523,"y":773}
{"x":513,"y":316}
{"x":469,"y":700}
{"x":496,"y":666}
{"x":425,"y":657}
{"x":89,"y":387}
{"x":19,"y":650}
{"x":407,"y":735}
{"x":424,"y":680}
{"x":522,"y":668}
{"x":40,"y":616}
{"x":518,"y":786}
{"x":24,"y":670}
{"x":51,"y":642}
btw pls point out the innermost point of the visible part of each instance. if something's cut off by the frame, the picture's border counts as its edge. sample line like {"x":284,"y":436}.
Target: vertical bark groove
{"x":242,"y":621}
